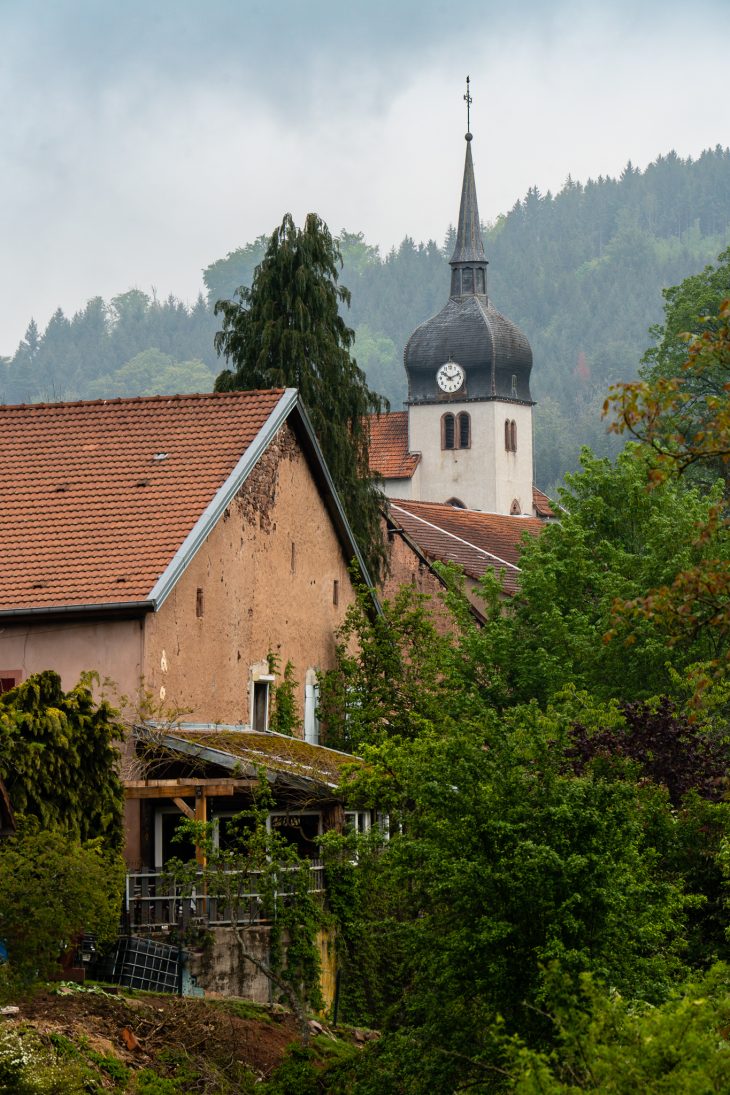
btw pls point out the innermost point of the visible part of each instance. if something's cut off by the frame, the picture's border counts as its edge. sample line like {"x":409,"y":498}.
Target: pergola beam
{"x":185,"y":788}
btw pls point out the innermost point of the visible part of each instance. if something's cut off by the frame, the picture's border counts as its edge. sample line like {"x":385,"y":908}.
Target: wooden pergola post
{"x":201,"y":814}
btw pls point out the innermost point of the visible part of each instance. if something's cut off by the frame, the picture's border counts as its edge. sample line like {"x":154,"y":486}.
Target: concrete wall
{"x":264,"y":581}
{"x":219,"y":968}
{"x":485,"y":476}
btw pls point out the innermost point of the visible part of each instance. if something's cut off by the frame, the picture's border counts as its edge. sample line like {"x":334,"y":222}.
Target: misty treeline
{"x":581,"y":271}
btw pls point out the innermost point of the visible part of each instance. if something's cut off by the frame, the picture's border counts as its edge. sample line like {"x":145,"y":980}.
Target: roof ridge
{"x":117,"y":400}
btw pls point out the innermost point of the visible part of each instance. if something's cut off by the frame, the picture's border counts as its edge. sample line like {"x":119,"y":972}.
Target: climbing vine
{"x":284,"y":716}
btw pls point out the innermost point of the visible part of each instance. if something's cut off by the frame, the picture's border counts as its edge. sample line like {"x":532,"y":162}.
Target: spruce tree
{"x":287,"y":331}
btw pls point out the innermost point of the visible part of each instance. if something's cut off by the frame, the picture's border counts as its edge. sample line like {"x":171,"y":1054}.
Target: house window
{"x":448,"y":432}
{"x":456,"y":431}
{"x":510,"y":435}
{"x":260,"y":705}
{"x":514,"y":386}
{"x":300,"y":829}
{"x":168,"y":843}
{"x":199,"y":604}
{"x":467,"y":280}
{"x":357,"y":821}
{"x":515,"y":509}
{"x":311,"y":704}
{"x":8,"y":679}
{"x":464,"y":430}
{"x":231,"y":830}
{"x":481,"y":285}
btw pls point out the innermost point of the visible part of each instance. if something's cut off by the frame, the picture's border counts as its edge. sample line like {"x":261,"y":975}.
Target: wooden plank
{"x":201,"y":814}
{"x":185,"y":808}
{"x":167,"y":788}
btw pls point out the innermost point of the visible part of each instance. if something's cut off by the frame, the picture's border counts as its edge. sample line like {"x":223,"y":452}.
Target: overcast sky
{"x":141,"y":141}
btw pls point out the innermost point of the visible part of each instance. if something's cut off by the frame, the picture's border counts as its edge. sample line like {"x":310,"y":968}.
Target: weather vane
{"x":468,"y":101}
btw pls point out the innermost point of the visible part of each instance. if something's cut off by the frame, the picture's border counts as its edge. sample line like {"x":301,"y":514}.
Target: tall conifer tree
{"x":287,"y":331}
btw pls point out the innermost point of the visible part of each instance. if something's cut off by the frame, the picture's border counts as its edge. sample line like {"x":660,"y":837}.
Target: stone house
{"x":186,"y":548}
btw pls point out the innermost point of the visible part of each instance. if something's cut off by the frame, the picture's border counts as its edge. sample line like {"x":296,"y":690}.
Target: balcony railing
{"x":153,"y":900}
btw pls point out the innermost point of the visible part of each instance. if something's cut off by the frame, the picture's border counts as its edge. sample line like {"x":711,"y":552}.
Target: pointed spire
{"x":469,"y":245}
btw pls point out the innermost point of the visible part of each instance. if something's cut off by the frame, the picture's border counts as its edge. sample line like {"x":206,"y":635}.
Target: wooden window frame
{"x":448,"y":419}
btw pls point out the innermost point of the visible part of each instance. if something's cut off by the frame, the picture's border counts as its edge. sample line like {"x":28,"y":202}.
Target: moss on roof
{"x":274,"y":752}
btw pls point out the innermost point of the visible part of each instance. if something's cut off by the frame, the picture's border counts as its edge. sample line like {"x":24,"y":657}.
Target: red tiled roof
{"x":476,"y":541}
{"x":92,"y":511}
{"x":542,"y":504}
{"x":389,"y":455}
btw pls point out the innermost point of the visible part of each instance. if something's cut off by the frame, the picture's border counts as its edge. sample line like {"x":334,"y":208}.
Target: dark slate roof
{"x":469,"y":244}
{"x":478,"y":337}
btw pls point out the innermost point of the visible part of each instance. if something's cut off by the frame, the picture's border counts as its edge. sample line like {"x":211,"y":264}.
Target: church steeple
{"x":468,"y":262}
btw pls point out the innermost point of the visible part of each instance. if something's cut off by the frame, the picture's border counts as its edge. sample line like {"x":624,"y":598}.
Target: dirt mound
{"x":165,"y":1033}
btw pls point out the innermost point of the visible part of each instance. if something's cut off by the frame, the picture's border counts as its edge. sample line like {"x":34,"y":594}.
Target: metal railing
{"x":154,"y":900}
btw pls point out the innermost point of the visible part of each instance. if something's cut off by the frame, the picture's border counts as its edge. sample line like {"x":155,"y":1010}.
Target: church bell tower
{"x":469,"y":403}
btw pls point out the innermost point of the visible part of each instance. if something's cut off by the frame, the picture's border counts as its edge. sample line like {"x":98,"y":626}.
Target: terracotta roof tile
{"x":389,"y":455}
{"x":99,"y":496}
{"x":542,"y":504}
{"x":476,"y":541}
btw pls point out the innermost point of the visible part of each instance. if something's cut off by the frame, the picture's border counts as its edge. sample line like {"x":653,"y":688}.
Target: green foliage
{"x":80,"y":357}
{"x":615,"y":541}
{"x":607,"y":1044}
{"x":30,"y":1066}
{"x":152,"y":373}
{"x":504,"y":858}
{"x":284,"y":716}
{"x":52,"y":889}
{"x":387,"y":681}
{"x":287,"y":331}
{"x":58,"y":757}
{"x":253,"y":860}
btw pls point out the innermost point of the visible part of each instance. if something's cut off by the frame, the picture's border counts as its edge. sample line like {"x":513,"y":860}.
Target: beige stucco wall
{"x":111,"y":648}
{"x":267,"y":574}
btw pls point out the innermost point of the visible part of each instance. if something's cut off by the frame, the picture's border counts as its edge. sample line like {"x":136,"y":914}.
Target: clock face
{"x":450,"y":377}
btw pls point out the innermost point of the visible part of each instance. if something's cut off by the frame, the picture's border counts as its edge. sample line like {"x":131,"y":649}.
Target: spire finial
{"x":468,"y":101}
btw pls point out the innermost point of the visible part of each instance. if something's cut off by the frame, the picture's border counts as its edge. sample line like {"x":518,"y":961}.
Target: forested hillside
{"x":581,"y":271}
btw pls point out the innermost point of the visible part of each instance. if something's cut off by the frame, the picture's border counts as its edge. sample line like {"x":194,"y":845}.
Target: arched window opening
{"x":514,"y":386}
{"x":515,"y":509}
{"x":513,"y":436}
{"x":467,"y":280}
{"x":448,"y":432}
{"x":464,"y":430}
{"x":507,"y":436}
{"x":456,"y":503}
{"x":481,"y":287}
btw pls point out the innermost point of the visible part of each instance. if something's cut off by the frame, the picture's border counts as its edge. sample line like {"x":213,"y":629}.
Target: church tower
{"x":469,"y":403}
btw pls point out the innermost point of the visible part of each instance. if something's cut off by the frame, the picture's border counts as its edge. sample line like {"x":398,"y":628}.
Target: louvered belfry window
{"x":464,"y":430}
{"x":448,"y":432}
